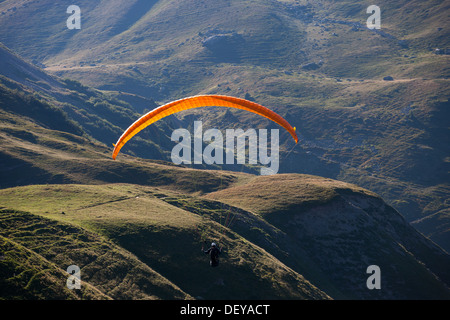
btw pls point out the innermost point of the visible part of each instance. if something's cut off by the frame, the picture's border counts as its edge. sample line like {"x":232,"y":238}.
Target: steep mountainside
{"x":311,"y":236}
{"x":294,"y":235}
{"x":63,"y":115}
{"x":342,"y":229}
{"x":41,"y":144}
{"x":316,"y":63}
{"x":36,"y":253}
{"x":316,"y":244}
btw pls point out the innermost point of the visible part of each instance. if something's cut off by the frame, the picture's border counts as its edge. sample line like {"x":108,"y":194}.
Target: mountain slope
{"x":316,"y":243}
{"x":28,"y":91}
{"x":292,"y":56}
{"x":27,"y":275}
{"x":158,"y":234}
{"x":258,"y":241}
{"x":294,"y":236}
{"x":33,"y":153}
{"x":343,"y":229}
{"x":48,"y":248}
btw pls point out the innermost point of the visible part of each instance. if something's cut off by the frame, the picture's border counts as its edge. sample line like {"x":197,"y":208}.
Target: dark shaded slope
{"x":157,"y":233}
{"x":26,"y":275}
{"x":26,"y":105}
{"x":67,"y":105}
{"x":343,"y":229}
{"x":37,"y":251}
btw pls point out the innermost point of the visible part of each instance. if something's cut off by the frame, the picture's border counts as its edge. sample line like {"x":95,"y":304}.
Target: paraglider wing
{"x":196,"y":102}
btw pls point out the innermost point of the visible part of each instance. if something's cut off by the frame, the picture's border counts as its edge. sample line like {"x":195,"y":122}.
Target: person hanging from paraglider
{"x":214,"y":251}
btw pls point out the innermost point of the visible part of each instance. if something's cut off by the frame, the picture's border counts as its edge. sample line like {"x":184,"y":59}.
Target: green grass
{"x":162,"y":236}
{"x":284,"y":193}
{"x":27,"y":275}
{"x":389,"y":137}
{"x":128,"y":232}
{"x":40,"y":250}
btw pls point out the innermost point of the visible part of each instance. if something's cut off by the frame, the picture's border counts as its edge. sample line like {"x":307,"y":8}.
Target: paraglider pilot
{"x":214,"y":252}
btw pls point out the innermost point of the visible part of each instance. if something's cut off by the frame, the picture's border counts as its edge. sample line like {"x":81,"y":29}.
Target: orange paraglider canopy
{"x":197,"y":102}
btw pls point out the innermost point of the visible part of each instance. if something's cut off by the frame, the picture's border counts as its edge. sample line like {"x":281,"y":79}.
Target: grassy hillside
{"x":287,"y":250}
{"x":162,"y":236}
{"x":341,"y":227}
{"x":63,"y":134}
{"x":37,"y":252}
{"x":315,"y":63}
{"x":27,"y":275}
{"x":33,"y":154}
{"x":171,"y":208}
{"x":291,"y":236}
